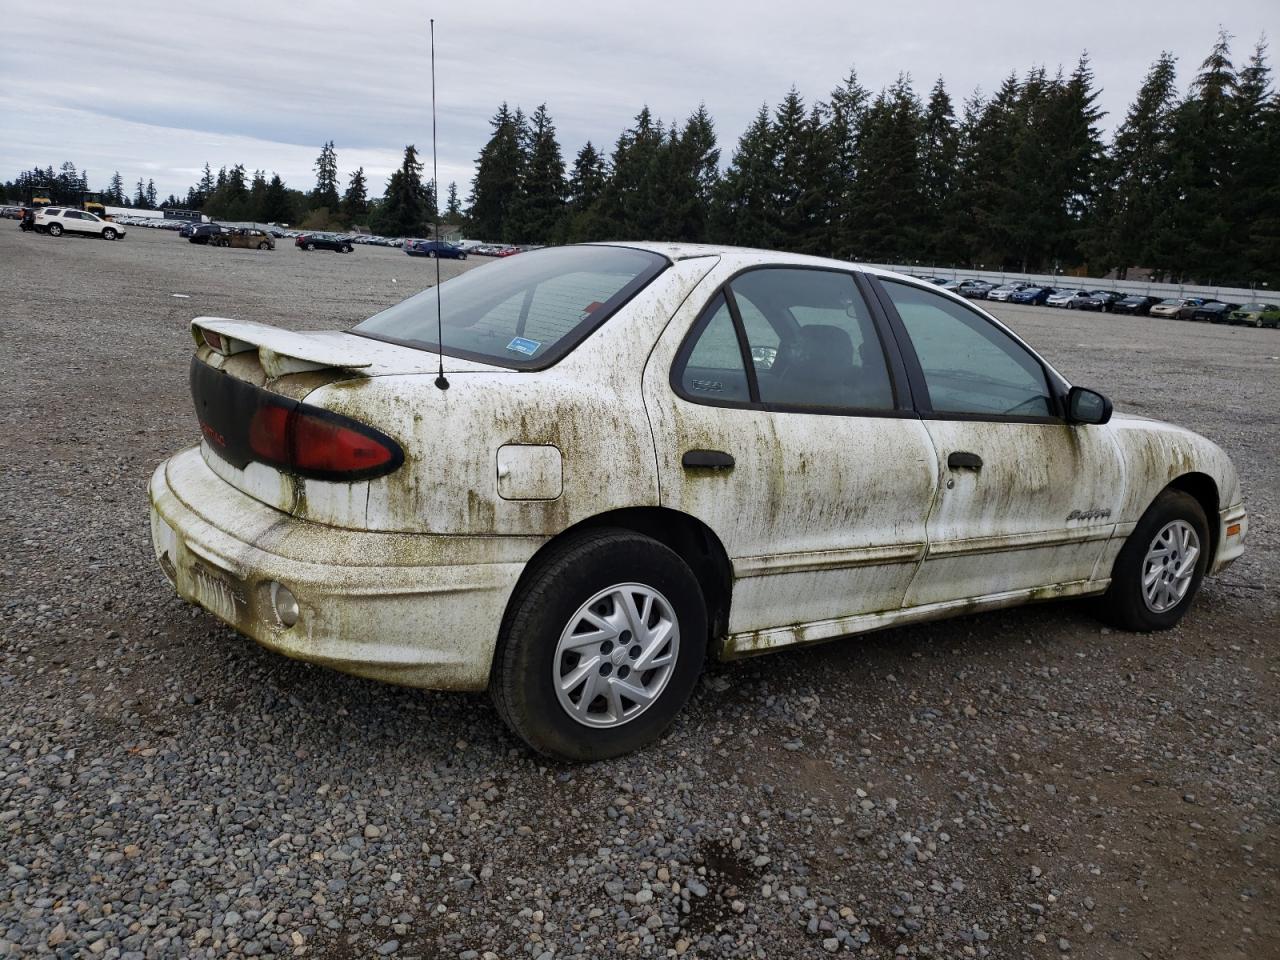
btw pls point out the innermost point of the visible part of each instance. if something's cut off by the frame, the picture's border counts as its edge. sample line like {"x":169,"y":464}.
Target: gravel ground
{"x":1018,"y":784}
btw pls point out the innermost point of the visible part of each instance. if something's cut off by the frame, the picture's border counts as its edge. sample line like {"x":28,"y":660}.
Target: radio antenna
{"x":441,"y":381}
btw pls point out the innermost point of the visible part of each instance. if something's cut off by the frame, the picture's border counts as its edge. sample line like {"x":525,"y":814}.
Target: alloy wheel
{"x":1170,"y":566}
{"x":616,"y":655}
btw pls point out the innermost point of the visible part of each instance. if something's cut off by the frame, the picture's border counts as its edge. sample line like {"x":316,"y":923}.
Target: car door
{"x":779,"y":422}
{"x":1026,"y":500}
{"x":73,"y":220}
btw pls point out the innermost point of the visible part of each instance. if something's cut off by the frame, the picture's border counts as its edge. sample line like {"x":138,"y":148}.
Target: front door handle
{"x":964,"y":460}
{"x":707,"y":459}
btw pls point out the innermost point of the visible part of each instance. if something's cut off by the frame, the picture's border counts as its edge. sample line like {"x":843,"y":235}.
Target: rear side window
{"x":970,"y":365}
{"x":714,"y":370}
{"x":524,"y":312}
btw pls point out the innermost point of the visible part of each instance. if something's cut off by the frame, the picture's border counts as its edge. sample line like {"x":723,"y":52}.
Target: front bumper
{"x":405,"y":608}
{"x":1233,"y":527}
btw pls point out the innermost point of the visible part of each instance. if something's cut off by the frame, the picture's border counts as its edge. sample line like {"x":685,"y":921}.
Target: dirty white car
{"x":640,"y":455}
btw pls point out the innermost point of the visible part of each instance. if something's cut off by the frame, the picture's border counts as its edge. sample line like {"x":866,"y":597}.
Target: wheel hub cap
{"x":616,"y":655}
{"x":1169,"y":566}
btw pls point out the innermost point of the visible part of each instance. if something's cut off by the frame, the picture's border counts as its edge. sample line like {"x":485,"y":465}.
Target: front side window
{"x":812,"y":340}
{"x":970,"y":365}
{"x":522,"y":312}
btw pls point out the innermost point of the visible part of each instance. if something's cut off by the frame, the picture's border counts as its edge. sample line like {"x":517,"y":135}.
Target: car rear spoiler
{"x":280,"y":351}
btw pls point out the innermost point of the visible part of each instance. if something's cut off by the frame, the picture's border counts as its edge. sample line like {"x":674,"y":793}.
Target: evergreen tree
{"x":585,"y":219}
{"x":151,"y":194}
{"x":326,"y":166}
{"x":746,"y":208}
{"x":939,"y":159}
{"x":276,"y":207}
{"x":631,"y":205}
{"x":1194,"y":233}
{"x":847,"y":109}
{"x":405,"y":210}
{"x":790,"y":136}
{"x":539,"y":206}
{"x":499,"y":171}
{"x":140,"y":195}
{"x":1252,"y":195}
{"x":115,"y":191}
{"x":687,"y":172}
{"x":453,"y":207}
{"x":888,"y":197}
{"x":1141,"y":161}
{"x":355,"y":202}
{"x":206,"y":186}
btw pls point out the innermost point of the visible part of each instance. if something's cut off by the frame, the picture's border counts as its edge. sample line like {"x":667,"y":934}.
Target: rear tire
{"x":580,"y":588}
{"x":308,"y":246}
{"x":1155,"y":577}
{"x":55,"y":229}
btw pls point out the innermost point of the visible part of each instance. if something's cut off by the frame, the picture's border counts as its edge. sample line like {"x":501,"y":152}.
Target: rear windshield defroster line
{"x":524,"y":312}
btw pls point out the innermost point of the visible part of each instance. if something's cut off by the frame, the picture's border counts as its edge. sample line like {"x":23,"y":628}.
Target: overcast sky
{"x":155,"y":88}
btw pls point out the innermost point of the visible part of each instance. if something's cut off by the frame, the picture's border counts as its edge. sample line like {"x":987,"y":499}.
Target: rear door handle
{"x":964,"y":460}
{"x":707,"y":459}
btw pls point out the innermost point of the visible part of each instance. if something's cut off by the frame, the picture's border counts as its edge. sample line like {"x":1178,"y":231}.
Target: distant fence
{"x":1136,"y":287}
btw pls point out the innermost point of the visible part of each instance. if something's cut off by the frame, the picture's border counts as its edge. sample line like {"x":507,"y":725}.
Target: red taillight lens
{"x":327,"y":446}
{"x":320,"y":444}
{"x":215,"y":340}
{"x":269,"y":434}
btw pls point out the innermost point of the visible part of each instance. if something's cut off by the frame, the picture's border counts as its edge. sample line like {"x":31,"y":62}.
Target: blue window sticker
{"x":521,"y":345}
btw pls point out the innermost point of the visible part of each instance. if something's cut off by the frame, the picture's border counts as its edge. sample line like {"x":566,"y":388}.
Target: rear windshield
{"x":526,"y":311}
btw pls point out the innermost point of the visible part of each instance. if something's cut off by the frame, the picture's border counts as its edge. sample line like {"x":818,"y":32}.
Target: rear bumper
{"x":1230,"y":544}
{"x":412,"y":609}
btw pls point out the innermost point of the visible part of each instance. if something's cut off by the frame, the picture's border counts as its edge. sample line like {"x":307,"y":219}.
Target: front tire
{"x":1161,"y":566}
{"x":108,"y":234}
{"x":263,"y":246}
{"x":348,"y":248}
{"x":601,"y":646}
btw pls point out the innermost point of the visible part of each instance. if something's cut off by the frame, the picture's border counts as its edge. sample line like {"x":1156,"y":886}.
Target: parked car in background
{"x":1214,"y":311}
{"x":1173,"y":307}
{"x":1035,"y":296}
{"x":973,"y":289}
{"x":1065,"y":297}
{"x":433,"y":249}
{"x":56,"y":221}
{"x":1257,"y":315}
{"x":202,"y":233}
{"x":331,"y":518}
{"x":1099,"y":300}
{"x":1138,"y":305}
{"x":508,"y":251}
{"x":246,"y":238}
{"x":1006,"y":291}
{"x":323,"y":241}
{"x":1189,"y":307}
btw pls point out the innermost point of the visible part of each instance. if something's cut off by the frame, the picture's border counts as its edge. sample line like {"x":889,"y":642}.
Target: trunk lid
{"x":243,"y":369}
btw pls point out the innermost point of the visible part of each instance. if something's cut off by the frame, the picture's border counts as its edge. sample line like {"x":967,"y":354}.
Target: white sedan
{"x":59,"y":220}
{"x":638,"y":455}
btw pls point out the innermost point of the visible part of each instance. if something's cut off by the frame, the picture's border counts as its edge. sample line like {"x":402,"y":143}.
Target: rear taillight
{"x":318,"y":443}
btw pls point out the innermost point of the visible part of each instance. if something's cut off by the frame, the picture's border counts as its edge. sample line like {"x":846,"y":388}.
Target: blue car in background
{"x":434,"y":248}
{"x":1033,"y":295}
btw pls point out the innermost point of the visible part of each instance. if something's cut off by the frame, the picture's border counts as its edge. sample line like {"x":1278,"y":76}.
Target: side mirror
{"x":1087,"y":406}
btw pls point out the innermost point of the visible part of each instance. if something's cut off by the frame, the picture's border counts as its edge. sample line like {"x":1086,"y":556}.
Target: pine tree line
{"x":1189,"y":185}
